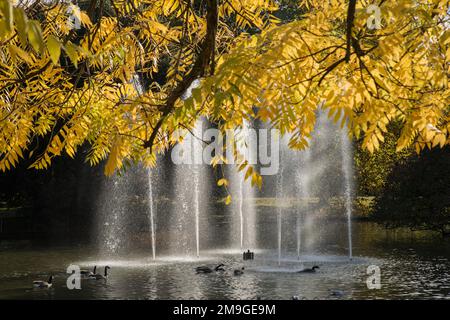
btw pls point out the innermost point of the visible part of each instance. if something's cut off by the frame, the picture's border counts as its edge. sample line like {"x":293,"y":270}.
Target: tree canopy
{"x":417,"y":194}
{"x":114,"y":74}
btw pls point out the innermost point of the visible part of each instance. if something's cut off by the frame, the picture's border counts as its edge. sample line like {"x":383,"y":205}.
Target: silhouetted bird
{"x":239,"y":272}
{"x":309,"y":270}
{"x":43,"y":284}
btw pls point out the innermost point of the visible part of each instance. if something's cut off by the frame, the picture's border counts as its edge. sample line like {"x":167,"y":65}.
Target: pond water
{"x":413,"y":266}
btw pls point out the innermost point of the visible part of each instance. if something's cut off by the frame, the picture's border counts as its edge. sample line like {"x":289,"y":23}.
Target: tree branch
{"x":204,"y":59}
{"x":350,"y":21}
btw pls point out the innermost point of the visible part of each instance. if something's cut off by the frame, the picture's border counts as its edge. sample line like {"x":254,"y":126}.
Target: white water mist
{"x":347,"y":169}
{"x":151,"y":206}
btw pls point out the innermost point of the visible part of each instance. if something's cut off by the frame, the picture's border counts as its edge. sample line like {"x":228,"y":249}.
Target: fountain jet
{"x":190,"y":194}
{"x":152,"y":213}
{"x":346,"y":150}
{"x":244,"y":215}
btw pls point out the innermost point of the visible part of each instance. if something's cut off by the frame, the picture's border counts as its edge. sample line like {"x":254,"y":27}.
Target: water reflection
{"x":413,"y":266}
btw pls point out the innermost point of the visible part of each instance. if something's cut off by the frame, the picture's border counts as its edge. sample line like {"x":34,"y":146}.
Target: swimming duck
{"x":43,"y":284}
{"x":220,"y":267}
{"x":309,"y":270}
{"x":239,"y":272}
{"x":87,"y":273}
{"x":205,"y":269}
{"x":337,"y":293}
{"x":97,"y":276}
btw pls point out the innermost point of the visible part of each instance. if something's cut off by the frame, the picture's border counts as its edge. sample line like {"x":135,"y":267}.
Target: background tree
{"x":417,"y":194}
{"x":373,"y":169}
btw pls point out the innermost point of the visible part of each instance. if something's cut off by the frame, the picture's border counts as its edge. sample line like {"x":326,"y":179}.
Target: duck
{"x":43,"y":284}
{"x":239,"y":272}
{"x":87,"y":273}
{"x":220,"y":267}
{"x":205,"y":269}
{"x":309,"y":270}
{"x":337,"y":293}
{"x":98,"y":276}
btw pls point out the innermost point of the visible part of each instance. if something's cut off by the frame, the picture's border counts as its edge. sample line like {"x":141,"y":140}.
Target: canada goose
{"x":337,"y":293}
{"x":87,"y":273}
{"x":309,"y":270}
{"x":220,"y":267}
{"x":205,"y":269}
{"x":239,"y":272}
{"x":43,"y":284}
{"x":98,"y":276}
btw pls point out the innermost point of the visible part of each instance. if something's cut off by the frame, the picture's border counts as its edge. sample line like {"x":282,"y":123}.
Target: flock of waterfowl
{"x":219,"y":268}
{"x":93,"y":275}
{"x":238,"y":272}
{"x":86,"y":274}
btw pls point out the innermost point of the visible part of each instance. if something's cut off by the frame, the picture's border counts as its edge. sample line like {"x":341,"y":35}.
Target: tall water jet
{"x":244,"y":214}
{"x":243,"y":225}
{"x":298,"y":228}
{"x":279,"y":220}
{"x":152,"y":212}
{"x":306,"y":187}
{"x":346,"y":150}
{"x":303,"y":189}
{"x":188,"y":158}
{"x":241,"y":211}
{"x":123,"y":212}
{"x":186,"y":213}
{"x":279,"y":195}
{"x":110,"y":215}
{"x":198,"y":131}
{"x":292,"y":194}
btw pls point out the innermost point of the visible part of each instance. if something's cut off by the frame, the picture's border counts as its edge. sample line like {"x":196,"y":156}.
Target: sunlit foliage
{"x":117,"y":81}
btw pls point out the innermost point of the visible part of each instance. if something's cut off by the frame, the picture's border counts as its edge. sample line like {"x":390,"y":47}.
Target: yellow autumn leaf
{"x":72,"y":53}
{"x":6,"y":9}
{"x":35,"y":36}
{"x":18,"y":52}
{"x":21,"y":22}
{"x":222,"y":182}
{"x":54,"y":48}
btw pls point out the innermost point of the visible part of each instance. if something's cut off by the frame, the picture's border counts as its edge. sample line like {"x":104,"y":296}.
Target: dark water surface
{"x":413,"y":266}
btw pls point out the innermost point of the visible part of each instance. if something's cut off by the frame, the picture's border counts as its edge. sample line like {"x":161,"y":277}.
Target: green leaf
{"x":219,"y":98}
{"x":54,"y":48}
{"x":197,"y":94}
{"x":235,"y":90}
{"x":189,"y":103}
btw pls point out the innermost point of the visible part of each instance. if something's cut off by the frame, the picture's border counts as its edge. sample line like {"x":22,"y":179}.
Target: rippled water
{"x":413,"y":266}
